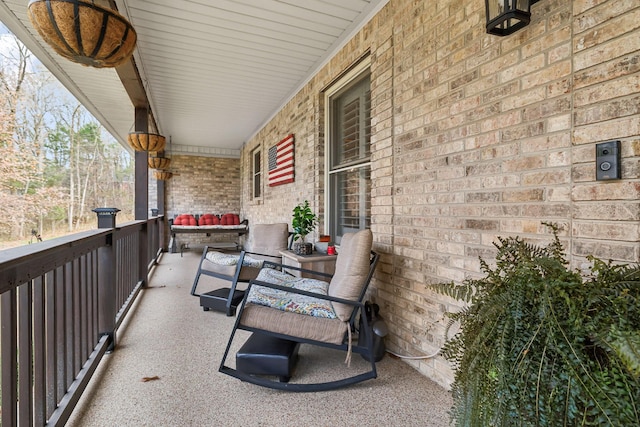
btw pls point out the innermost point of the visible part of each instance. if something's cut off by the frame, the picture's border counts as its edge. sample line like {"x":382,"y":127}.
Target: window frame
{"x":352,"y":77}
{"x":256,"y":174}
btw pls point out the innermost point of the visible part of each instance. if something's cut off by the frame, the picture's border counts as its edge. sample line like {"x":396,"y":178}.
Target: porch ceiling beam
{"x":130,"y":77}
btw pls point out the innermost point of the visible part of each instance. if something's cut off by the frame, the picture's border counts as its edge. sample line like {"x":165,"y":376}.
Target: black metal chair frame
{"x":366,"y":349}
{"x":234,"y":279}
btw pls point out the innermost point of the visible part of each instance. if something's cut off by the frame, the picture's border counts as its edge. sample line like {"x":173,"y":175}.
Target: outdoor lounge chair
{"x":311,"y":311}
{"x":265,"y":243}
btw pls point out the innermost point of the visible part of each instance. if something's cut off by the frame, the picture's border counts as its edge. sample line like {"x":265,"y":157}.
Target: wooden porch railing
{"x":61,"y":302}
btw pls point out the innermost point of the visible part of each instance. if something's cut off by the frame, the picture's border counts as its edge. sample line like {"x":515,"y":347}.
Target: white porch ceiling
{"x":215,"y":71}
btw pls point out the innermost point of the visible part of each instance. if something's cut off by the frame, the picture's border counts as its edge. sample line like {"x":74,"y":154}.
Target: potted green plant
{"x":304,"y":221}
{"x":542,"y":345}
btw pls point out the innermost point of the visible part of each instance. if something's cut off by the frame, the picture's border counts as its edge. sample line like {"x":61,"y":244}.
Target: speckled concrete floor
{"x":169,"y":339}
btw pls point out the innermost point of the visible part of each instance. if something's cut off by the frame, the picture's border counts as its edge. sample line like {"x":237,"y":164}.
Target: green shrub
{"x":541,"y":345}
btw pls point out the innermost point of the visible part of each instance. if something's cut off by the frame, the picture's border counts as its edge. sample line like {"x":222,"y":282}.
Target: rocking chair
{"x":266,"y":242}
{"x":278,"y":306}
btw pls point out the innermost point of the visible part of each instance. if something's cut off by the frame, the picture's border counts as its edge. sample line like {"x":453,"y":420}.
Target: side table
{"x":316,"y":261}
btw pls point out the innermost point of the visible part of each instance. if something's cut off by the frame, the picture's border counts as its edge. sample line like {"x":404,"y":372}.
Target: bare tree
{"x":16,"y":162}
{"x":56,"y":161}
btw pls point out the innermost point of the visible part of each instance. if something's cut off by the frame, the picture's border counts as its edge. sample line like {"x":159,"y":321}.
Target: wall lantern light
{"x":84,"y":32}
{"x":505,"y":17}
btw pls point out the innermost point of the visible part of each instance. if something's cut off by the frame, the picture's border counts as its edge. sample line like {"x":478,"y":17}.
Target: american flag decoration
{"x":281,"y":169}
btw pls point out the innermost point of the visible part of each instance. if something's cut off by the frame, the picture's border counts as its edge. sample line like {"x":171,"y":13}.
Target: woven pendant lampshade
{"x":159,"y":162}
{"x":162,"y":175}
{"x":144,"y":141}
{"x":84,"y":32}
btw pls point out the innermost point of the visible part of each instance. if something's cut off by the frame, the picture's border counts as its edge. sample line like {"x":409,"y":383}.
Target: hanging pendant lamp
{"x":145,"y":141}
{"x":159,"y":162}
{"x":162,"y":175}
{"x":84,"y":32}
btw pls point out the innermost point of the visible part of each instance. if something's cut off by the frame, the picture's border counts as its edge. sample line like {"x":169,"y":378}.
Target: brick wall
{"x":278,"y":202}
{"x":203,"y":185}
{"x":606,"y":106}
{"x":476,"y":136}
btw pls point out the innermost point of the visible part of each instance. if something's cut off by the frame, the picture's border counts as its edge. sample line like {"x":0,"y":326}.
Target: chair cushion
{"x":294,"y":324}
{"x":221,"y":258}
{"x":352,"y":268}
{"x":269,"y":239}
{"x":292,"y":302}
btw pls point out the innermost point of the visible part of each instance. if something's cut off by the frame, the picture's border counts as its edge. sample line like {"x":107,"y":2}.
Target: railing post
{"x":106,"y":217}
{"x":143,"y":257}
{"x":162,"y":233}
{"x":9,"y":356}
{"x":107,"y":290}
{"x":141,"y":166}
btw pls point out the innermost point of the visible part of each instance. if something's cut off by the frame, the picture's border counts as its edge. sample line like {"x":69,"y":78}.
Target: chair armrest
{"x":281,"y":267}
{"x":263,"y":255}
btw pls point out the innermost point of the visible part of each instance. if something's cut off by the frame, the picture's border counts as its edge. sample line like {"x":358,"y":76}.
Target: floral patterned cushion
{"x":221,"y":258}
{"x":287,"y":301}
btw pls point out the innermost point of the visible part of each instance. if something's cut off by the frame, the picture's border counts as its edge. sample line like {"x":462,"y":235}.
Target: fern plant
{"x":541,"y":345}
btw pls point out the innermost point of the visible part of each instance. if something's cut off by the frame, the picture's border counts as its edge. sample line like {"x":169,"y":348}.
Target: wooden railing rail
{"x":61,"y":302}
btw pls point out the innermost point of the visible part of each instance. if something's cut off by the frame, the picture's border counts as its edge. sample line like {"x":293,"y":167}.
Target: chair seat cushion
{"x":222,"y":258}
{"x":291,"y":302}
{"x":294,"y":324}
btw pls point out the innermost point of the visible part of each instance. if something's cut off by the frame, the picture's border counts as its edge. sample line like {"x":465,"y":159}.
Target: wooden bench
{"x":238,"y":230}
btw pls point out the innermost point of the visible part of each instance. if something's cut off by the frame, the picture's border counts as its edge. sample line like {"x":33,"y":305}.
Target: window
{"x":348,"y":202}
{"x":256,"y":173}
